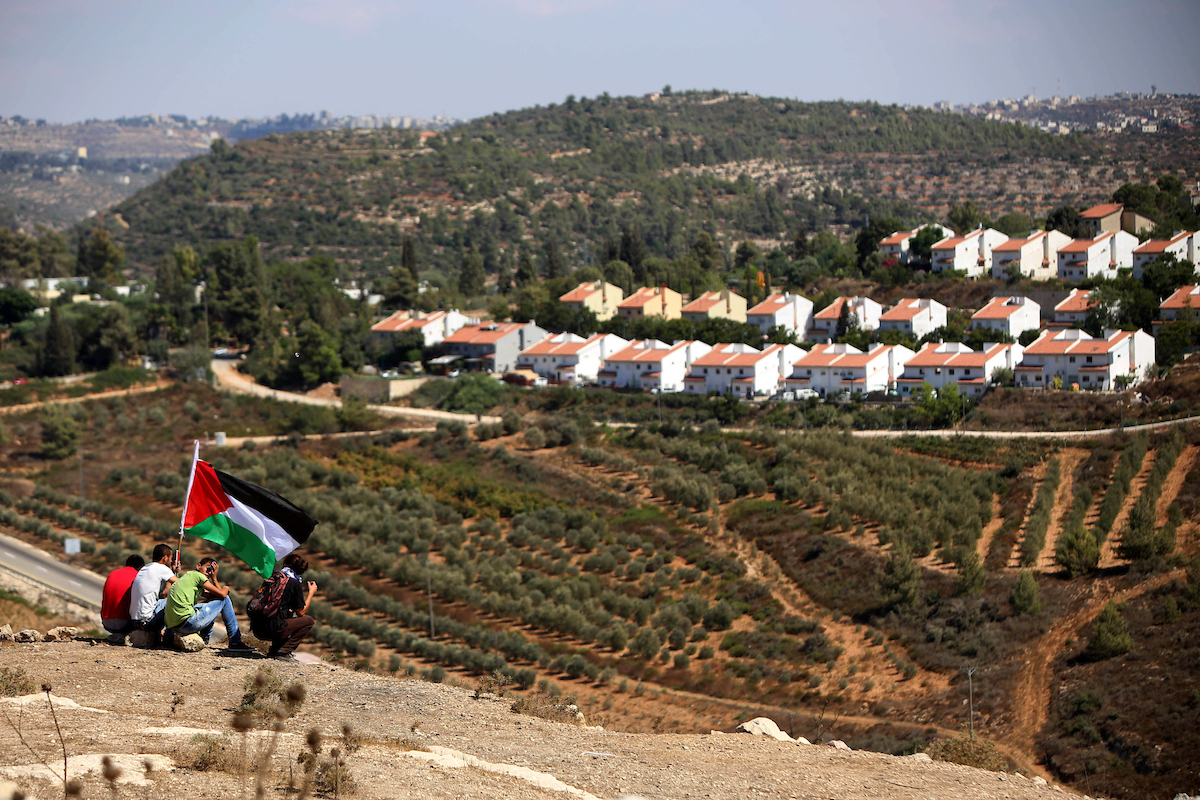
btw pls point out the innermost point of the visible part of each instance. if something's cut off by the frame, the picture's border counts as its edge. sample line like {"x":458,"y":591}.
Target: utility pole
{"x":971,"y":694}
{"x":429,"y":589}
{"x":81,"y":498}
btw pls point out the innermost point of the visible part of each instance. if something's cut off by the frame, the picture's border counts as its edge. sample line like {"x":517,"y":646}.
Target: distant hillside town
{"x":1120,"y":112}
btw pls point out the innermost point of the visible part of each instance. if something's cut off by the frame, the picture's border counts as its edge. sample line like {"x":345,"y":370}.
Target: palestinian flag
{"x":255,"y":524}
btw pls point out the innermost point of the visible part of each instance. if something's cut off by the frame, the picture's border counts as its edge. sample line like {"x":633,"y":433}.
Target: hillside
{"x":407,"y":738}
{"x":677,"y":579}
{"x":573,"y":175}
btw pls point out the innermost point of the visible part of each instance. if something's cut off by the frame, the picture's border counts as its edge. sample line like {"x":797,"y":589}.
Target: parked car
{"x":805,"y":394}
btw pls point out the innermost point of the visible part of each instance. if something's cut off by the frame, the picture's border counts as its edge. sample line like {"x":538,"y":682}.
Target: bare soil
{"x":416,"y":737}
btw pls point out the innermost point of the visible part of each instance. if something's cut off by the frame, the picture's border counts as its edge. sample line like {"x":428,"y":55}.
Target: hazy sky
{"x":68,"y":60}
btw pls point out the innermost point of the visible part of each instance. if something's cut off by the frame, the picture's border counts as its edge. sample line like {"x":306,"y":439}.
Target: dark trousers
{"x":293,"y":633}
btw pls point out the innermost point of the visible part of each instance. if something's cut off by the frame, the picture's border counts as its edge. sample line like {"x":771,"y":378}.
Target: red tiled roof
{"x":395,"y":323}
{"x":1183,"y":296}
{"x":705,"y":302}
{"x":997,"y":308}
{"x":484,"y":334}
{"x":770,"y":305}
{"x":1076,"y":301}
{"x":580,"y":293}
{"x":722,"y":355}
{"x":831,"y":311}
{"x":896,"y":238}
{"x":1052,"y":345}
{"x":1083,"y":245}
{"x":548,"y":347}
{"x":643,"y":296}
{"x":637,"y":351}
{"x":904,"y":310}
{"x":1101,"y":211}
{"x":1161,"y":245}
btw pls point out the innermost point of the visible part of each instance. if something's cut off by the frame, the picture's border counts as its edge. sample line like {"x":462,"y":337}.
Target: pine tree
{"x":1137,"y":538}
{"x":899,"y":581}
{"x":472,"y":278}
{"x":1077,"y":551}
{"x":58,"y":348}
{"x":1110,"y":636}
{"x":408,"y":259}
{"x":971,"y":576}
{"x":1024,"y":595}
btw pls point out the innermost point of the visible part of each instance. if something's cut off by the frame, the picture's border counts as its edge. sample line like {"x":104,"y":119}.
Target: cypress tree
{"x":526,"y":274}
{"x":504,"y":278}
{"x":472,"y":278}
{"x":408,"y":258}
{"x":58,"y":349}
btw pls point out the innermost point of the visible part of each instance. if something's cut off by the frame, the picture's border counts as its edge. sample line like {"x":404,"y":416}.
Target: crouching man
{"x":283,"y":619}
{"x":185,"y":614}
{"x":114,"y":601}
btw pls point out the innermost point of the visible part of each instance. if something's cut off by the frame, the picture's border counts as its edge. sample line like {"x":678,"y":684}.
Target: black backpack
{"x":268,"y":599}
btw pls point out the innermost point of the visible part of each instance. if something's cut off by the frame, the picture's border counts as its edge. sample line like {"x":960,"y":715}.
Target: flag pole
{"x":183,"y":515}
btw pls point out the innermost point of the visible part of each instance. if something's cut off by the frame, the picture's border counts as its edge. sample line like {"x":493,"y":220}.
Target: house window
{"x":741,"y":372}
{"x":952,"y":371}
{"x":922,"y":370}
{"x":706,"y":370}
{"x":1089,"y":359}
{"x":1071,"y":359}
{"x":967,"y":371}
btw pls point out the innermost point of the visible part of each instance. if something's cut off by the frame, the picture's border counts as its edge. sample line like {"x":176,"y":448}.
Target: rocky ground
{"x":415,"y":739}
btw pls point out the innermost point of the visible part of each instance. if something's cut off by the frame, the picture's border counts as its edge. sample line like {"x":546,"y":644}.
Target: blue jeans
{"x":205,"y":616}
{"x":157,"y":619}
{"x":119,"y":627}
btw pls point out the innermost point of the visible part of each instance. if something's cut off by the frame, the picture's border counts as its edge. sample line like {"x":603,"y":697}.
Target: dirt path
{"x":142,"y":389}
{"x":1108,"y":553}
{"x":989,"y":531}
{"x":1014,"y":558}
{"x":1070,"y":459}
{"x":1031,"y":695}
{"x":1174,"y":482}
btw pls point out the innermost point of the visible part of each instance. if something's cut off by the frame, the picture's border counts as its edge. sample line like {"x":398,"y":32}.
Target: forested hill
{"x":563,"y":181}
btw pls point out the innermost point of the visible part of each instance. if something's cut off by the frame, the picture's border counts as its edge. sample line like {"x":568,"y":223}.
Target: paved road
{"x":229,"y":378}
{"x":29,"y":562}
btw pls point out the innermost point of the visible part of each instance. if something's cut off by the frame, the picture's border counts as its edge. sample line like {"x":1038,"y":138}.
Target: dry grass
{"x":556,"y":708}
{"x":14,"y":682}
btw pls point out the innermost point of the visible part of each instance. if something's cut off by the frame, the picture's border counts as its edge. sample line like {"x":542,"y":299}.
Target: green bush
{"x":60,"y":433}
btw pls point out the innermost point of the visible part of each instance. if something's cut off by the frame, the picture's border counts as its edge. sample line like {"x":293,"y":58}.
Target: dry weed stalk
{"x":70,"y":788}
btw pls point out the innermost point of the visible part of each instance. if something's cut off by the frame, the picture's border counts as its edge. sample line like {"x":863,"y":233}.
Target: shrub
{"x":535,"y":439}
{"x":972,"y":752}
{"x":14,"y":682}
{"x":719,"y":617}
{"x":265,"y":695}
{"x":60,"y":434}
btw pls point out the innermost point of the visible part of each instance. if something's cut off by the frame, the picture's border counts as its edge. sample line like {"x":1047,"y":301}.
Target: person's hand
{"x":211,"y":570}
{"x":312,"y":587}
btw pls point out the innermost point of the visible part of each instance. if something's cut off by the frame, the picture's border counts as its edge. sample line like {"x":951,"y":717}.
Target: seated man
{"x":147,"y":597}
{"x":185,"y":614}
{"x":114,"y":600}
{"x":283,"y":630}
